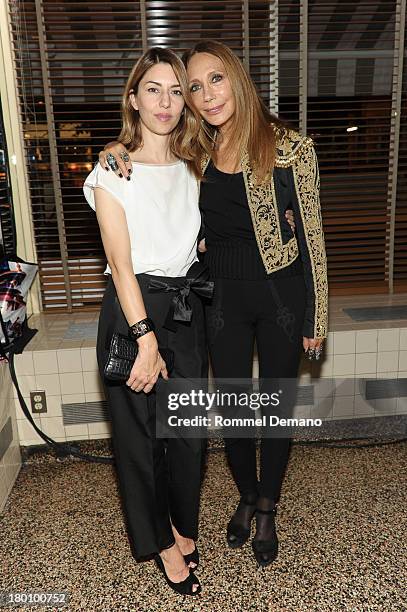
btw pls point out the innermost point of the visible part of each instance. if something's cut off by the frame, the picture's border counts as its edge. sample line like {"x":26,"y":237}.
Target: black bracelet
{"x":141,"y":328}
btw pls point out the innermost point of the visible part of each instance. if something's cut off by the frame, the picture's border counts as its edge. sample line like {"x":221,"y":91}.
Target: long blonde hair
{"x":253,"y":127}
{"x":184,"y":138}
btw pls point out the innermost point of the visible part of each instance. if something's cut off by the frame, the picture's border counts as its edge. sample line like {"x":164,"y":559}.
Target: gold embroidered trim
{"x":264,"y":213}
{"x":204,"y":162}
{"x":307,"y":183}
{"x":289,"y":147}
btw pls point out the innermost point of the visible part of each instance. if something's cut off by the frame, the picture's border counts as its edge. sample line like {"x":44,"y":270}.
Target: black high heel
{"x":192,"y":557}
{"x":236,"y":533}
{"x":265,"y":551}
{"x":184,"y":587}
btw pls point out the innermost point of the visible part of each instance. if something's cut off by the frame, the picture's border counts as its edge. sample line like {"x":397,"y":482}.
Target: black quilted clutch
{"x":122,"y":353}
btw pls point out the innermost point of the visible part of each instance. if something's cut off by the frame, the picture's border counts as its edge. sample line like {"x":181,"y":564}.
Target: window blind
{"x":400,"y":237}
{"x":349,"y":101}
{"x":7,"y":228}
{"x":90,"y":48}
{"x":72,"y":60}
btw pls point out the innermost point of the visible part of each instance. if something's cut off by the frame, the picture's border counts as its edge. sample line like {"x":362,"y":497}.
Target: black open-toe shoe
{"x":183,"y":588}
{"x":237,"y":533}
{"x":265,"y":551}
{"x":192,"y":557}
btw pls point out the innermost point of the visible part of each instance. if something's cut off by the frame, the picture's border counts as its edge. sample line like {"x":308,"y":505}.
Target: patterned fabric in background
{"x":16,"y":277}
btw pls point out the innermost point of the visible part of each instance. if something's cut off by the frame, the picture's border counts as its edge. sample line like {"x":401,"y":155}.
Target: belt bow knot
{"x":196,"y":280}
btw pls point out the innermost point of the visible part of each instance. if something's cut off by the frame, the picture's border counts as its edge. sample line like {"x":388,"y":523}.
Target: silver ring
{"x":125,"y":156}
{"x":314,"y":353}
{"x":318,"y":352}
{"x":111,"y":160}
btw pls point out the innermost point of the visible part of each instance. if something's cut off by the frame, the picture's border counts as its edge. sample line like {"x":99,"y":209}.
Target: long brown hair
{"x":253,"y":128}
{"x":184,"y":138}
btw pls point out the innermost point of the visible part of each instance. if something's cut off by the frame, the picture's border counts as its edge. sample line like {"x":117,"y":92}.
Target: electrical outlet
{"x":38,"y":402}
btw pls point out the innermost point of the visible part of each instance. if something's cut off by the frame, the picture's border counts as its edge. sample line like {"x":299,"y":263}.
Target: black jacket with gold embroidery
{"x":295,"y":184}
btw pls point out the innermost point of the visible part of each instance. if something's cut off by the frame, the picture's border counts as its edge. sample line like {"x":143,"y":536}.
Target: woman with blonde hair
{"x":270,"y":283}
{"x":149,"y":228}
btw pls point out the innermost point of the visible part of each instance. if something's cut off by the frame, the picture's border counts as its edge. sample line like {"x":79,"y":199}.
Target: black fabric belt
{"x":196,"y":280}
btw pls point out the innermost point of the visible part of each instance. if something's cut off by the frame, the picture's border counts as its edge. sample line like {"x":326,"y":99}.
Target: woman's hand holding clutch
{"x":147,"y":366}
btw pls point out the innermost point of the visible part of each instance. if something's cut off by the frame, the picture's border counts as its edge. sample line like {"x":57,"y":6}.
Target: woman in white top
{"x":149,"y":228}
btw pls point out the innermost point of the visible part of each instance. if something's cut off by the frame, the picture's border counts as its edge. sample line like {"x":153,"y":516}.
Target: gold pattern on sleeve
{"x":307,"y":184}
{"x":263,"y":207}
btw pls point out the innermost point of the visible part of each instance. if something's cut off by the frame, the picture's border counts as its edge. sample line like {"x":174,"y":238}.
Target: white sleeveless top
{"x":162,"y":212}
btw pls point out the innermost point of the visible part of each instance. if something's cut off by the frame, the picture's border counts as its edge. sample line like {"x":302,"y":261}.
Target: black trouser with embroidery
{"x":159,"y":478}
{"x":270,"y":312}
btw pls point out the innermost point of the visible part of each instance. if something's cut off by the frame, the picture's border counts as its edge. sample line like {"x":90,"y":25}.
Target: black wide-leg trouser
{"x":159,"y":478}
{"x":270,"y":312}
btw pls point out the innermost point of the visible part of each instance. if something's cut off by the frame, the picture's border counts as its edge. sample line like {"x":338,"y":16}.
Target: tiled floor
{"x":341,"y":525}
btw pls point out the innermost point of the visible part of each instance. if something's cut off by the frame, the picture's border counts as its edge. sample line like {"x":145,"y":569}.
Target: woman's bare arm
{"x":116,"y":243}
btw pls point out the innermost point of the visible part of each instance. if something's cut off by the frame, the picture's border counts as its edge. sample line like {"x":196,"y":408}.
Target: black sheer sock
{"x":265,"y":542}
{"x":265,"y":525}
{"x":238,"y":530}
{"x":244,"y":512}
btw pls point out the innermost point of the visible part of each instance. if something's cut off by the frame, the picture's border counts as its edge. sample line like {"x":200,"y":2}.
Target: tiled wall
{"x":362,"y":354}
{"x":69,"y":375}
{"x":10,"y":461}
